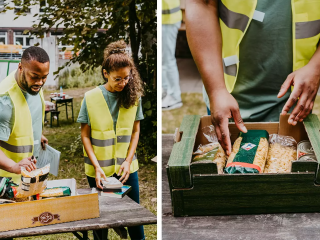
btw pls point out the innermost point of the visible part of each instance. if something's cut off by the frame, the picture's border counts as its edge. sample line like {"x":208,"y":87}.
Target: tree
{"x":90,"y":25}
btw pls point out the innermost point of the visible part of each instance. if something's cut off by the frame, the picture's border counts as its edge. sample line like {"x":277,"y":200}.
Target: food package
{"x":7,"y":188}
{"x":249,"y":153}
{"x":50,"y":106}
{"x":211,"y":151}
{"x":56,"y":192}
{"x":282,"y":151}
{"x":33,"y":182}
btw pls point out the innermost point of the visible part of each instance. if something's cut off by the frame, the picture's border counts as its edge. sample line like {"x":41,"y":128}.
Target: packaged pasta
{"x":282,"y":151}
{"x":249,"y":153}
{"x":33,"y":182}
{"x":212,"y":151}
{"x":56,"y":192}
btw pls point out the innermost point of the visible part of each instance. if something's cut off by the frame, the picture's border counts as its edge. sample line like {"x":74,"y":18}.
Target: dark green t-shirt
{"x":265,"y":62}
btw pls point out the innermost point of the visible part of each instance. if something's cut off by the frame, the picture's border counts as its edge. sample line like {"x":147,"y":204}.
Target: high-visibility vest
{"x":110,"y":147}
{"x":235,"y":19}
{"x":171,"y":12}
{"x":20,"y":143}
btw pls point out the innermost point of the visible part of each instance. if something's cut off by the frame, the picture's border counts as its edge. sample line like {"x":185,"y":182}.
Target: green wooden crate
{"x":197,"y":188}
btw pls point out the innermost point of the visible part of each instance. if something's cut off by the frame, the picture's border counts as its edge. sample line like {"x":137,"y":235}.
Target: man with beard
{"x":22,"y":113}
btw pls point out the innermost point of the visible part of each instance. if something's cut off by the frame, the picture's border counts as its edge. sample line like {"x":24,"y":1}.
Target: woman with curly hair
{"x":110,"y":125}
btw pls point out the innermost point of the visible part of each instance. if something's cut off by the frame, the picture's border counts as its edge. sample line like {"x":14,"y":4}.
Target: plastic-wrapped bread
{"x":249,"y":153}
{"x":282,"y":151}
{"x":211,"y":152}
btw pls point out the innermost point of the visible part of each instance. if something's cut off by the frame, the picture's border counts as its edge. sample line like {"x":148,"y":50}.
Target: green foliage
{"x":75,"y":78}
{"x":90,"y":26}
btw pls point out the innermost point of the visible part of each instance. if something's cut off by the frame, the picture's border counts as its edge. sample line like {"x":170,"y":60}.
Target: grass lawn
{"x":193,"y":104}
{"x":63,"y":138}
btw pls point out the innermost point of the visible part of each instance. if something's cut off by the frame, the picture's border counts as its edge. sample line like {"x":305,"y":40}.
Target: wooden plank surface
{"x":293,"y":226}
{"x":179,"y":163}
{"x":114,"y":213}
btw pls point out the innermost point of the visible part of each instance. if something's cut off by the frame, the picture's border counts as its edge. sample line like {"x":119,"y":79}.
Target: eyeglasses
{"x":126,"y":79}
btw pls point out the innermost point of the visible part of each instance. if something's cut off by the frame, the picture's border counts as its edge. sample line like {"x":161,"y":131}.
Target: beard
{"x":26,"y":87}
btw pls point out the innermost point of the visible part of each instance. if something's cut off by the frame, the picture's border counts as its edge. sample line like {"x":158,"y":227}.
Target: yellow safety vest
{"x":235,"y":19}
{"x":20,"y":143}
{"x":171,"y":12}
{"x":110,"y":148}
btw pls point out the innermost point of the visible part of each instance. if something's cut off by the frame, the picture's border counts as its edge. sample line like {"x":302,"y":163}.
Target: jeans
{"x":135,"y":233}
{"x":170,"y":73}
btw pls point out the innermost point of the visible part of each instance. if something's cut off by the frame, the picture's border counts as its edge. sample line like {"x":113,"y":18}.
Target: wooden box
{"x":50,"y":211}
{"x":197,"y":188}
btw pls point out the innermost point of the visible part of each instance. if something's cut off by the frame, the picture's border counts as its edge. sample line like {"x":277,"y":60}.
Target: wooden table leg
{"x":72,"y":110}
{"x":122,"y":232}
{"x":66,"y":110}
{"x":51,"y":119}
{"x":83,"y":237}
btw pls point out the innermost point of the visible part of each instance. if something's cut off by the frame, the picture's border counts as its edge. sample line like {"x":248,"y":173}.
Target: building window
{"x":3,"y":38}
{"x":43,"y":5}
{"x":22,"y":39}
{"x":18,"y":5}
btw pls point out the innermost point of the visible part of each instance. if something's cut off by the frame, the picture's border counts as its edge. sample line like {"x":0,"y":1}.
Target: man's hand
{"x":44,"y":141}
{"x":125,"y":169}
{"x":224,"y":106}
{"x":306,"y":83}
{"x":27,"y":163}
{"x":100,"y":174}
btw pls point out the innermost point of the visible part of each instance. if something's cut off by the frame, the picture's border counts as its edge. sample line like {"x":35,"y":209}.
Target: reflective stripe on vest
{"x":171,"y":12}
{"x":110,"y":148}
{"x":20,"y":143}
{"x":235,"y":20}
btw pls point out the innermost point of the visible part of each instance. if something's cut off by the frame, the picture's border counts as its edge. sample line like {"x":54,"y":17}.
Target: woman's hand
{"x":100,"y":174}
{"x":125,"y":169}
{"x":306,"y":83}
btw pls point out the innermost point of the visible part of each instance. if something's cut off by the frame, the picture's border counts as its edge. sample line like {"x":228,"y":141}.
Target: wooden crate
{"x":197,"y":188}
{"x":50,"y":211}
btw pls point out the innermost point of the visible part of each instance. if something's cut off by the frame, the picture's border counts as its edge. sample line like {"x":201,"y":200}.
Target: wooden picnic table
{"x":114,"y":213}
{"x":60,"y":102}
{"x":294,"y":226}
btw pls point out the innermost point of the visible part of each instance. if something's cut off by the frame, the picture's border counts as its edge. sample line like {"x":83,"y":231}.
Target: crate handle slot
{"x":177,"y":135}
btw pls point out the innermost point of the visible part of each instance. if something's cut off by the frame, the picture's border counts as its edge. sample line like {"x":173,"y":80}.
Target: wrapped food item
{"x":56,"y":192}
{"x":217,"y":155}
{"x":212,"y":151}
{"x":249,"y":153}
{"x":33,"y":182}
{"x":282,"y":151}
{"x":7,"y":188}
{"x":203,"y":149}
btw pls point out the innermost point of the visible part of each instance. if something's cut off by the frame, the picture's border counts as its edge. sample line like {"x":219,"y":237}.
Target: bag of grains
{"x":249,"y":153}
{"x":282,"y":151}
{"x":33,"y":182}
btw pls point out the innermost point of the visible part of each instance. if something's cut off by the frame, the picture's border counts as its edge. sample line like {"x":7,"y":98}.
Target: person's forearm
{"x":205,"y":42}
{"x":134,"y":141}
{"x":6,"y":163}
{"x":315,"y":60}
{"x":85,"y":137}
{"x":133,"y":146}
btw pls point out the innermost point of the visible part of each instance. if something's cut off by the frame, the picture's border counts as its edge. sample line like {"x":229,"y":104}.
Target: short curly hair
{"x":35,"y":53}
{"x":116,"y":57}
